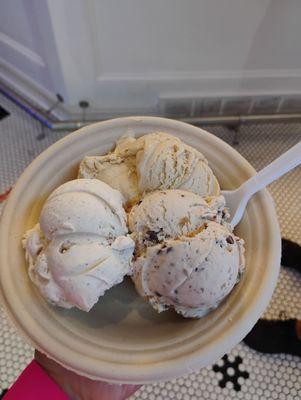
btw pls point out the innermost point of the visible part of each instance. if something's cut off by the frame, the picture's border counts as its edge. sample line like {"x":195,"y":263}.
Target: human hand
{"x":80,"y":388}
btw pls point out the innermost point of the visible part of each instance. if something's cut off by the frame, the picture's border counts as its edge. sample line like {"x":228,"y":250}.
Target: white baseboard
{"x":164,"y":87}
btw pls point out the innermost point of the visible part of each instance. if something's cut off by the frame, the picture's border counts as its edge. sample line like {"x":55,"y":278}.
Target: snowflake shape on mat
{"x":231,"y":372}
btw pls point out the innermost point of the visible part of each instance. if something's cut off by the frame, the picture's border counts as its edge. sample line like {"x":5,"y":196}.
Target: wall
{"x":135,"y":55}
{"x":28,"y":53}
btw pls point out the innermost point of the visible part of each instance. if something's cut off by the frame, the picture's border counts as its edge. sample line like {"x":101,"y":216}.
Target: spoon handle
{"x":283,"y":164}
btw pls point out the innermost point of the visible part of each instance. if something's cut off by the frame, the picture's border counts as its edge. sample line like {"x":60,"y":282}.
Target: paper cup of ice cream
{"x":118,"y":261}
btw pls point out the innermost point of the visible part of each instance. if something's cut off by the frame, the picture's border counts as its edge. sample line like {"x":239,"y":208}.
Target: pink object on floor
{"x":35,"y":384}
{"x":4,"y":196}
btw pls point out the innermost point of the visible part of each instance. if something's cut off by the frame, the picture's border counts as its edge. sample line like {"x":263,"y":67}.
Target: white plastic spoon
{"x":236,"y":200}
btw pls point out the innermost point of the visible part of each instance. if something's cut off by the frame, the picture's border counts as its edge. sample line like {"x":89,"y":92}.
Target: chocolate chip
{"x":158,"y":294}
{"x":157,"y":266}
{"x":65,"y":247}
{"x":139,"y":202}
{"x":182,"y":195}
{"x":230,"y":240}
{"x":176,"y":292}
{"x":168,"y":249}
{"x":153,"y":236}
{"x":196,"y":269}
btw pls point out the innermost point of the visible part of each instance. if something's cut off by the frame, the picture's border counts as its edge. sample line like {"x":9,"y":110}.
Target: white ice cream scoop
{"x":80,"y":248}
{"x":84,"y":206}
{"x":74,"y":270}
{"x":237,"y":199}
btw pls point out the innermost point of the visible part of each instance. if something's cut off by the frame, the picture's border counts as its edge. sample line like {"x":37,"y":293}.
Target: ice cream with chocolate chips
{"x":181,"y":252}
{"x":186,"y":257}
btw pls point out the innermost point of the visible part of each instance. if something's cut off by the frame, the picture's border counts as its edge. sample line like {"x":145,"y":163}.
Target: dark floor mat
{"x":3,"y":113}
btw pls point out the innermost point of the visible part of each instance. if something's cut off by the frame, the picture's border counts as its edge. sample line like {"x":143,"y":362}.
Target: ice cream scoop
{"x":117,"y":169}
{"x":186,"y":255}
{"x":84,"y":206}
{"x":167,"y":214}
{"x":190,"y":274}
{"x":80,"y":248}
{"x":152,"y":162}
{"x":165,"y":162}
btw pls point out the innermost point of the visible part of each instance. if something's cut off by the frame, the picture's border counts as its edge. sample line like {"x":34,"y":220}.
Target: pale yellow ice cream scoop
{"x":152,"y":162}
{"x":165,"y":162}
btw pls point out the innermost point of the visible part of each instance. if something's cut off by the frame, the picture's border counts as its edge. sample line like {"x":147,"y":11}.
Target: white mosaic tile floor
{"x":268,"y":376}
